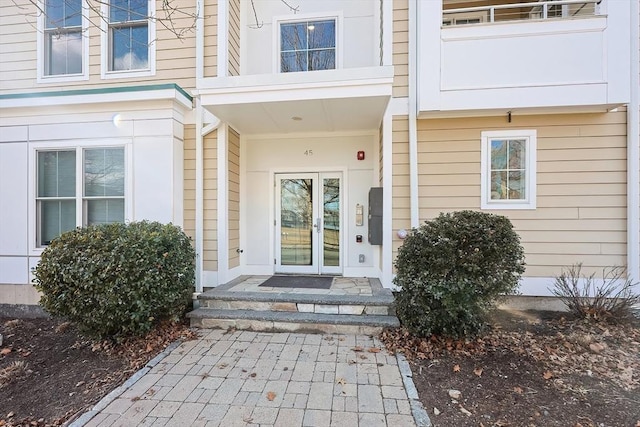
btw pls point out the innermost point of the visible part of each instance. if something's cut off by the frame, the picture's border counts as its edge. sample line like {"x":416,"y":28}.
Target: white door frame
{"x":317,"y":235}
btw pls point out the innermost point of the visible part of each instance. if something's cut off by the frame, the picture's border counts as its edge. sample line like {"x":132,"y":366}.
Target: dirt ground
{"x":531,"y":369}
{"x":49,"y":373}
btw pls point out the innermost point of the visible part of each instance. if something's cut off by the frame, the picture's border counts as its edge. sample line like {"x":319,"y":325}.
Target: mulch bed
{"x":530,"y":369}
{"x":49,"y":373}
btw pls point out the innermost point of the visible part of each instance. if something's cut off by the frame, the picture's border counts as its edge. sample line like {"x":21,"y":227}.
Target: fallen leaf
{"x":455,"y":394}
{"x":363,"y":357}
{"x":5,"y":351}
{"x":135,"y":398}
{"x":271,"y":395}
{"x":357,"y":348}
{"x":436,"y":411}
{"x":456,"y":368}
{"x":253,"y":375}
{"x":596,"y":347}
{"x":80,"y":383}
{"x":351,"y":362}
{"x":478,"y":371}
{"x":547,"y":375}
{"x":464,"y":411}
{"x":374,"y":350}
{"x":518,"y":390}
{"x":341,"y":381}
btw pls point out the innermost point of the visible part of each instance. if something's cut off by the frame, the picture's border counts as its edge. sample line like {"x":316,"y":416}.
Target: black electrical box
{"x":375,"y":216}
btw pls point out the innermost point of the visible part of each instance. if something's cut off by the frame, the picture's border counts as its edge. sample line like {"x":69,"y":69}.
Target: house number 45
{"x":308,"y":152}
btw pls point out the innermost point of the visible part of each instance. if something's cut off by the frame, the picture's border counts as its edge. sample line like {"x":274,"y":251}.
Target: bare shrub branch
{"x":611,"y":300}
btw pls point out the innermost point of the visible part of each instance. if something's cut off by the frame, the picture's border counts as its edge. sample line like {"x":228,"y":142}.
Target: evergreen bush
{"x":116,"y":280}
{"x":453,"y":269}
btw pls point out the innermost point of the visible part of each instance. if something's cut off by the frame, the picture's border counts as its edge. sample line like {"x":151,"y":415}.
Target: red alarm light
{"x":360,"y":155}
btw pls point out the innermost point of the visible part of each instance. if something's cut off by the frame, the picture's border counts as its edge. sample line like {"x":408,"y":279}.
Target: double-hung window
{"x":77,"y":187}
{"x":308,"y":45}
{"x":128,"y":34}
{"x":62,"y":39}
{"x":508,"y":169}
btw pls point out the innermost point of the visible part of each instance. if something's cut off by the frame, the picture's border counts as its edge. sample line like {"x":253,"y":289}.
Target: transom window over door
{"x":308,"y":45}
{"x":508,"y":169}
{"x":63,"y":43}
{"x":128,"y":35}
{"x":60,"y":202}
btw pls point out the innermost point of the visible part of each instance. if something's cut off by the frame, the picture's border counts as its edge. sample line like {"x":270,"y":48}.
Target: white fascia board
{"x":524,"y":97}
{"x":577,"y":109}
{"x":235,"y":83}
{"x":296,"y":94}
{"x":97,"y":98}
{"x":245,"y":89}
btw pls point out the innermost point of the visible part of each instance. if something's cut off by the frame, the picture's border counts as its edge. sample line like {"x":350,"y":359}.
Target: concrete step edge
{"x":298,"y":298}
{"x":296,"y":317}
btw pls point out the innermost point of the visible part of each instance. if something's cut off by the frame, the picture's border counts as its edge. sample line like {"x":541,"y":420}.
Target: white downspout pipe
{"x":387,"y":153}
{"x":413,"y":112}
{"x":633,"y":152}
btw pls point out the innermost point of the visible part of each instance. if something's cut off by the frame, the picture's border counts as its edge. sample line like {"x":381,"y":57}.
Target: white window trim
{"x":485,"y":164}
{"x":79,"y":147}
{"x":278,"y":20}
{"x":40,"y":53}
{"x":104,"y":46}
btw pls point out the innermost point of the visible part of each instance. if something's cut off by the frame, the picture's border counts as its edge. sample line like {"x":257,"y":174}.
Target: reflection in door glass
{"x":296,"y":221}
{"x":331,"y":231}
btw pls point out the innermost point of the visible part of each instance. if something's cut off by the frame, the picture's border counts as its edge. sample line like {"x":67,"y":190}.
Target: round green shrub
{"x":117,"y":280}
{"x":453,"y":269}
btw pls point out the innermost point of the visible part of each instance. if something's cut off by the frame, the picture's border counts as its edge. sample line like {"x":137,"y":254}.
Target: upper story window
{"x":308,"y":45}
{"x":508,"y":169}
{"x":62,"y":48}
{"x":62,"y":204}
{"x":128,"y":35}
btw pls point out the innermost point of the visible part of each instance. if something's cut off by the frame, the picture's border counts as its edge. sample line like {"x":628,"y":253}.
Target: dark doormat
{"x":305,"y":282}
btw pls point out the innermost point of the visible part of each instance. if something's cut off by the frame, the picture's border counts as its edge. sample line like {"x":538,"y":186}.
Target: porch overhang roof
{"x":332,"y":100}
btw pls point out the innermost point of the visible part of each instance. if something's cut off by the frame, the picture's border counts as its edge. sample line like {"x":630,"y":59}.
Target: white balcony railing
{"x":554,"y":9}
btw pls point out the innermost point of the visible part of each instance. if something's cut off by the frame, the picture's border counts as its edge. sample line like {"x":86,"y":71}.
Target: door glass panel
{"x":296,"y":222}
{"x":331,"y":223}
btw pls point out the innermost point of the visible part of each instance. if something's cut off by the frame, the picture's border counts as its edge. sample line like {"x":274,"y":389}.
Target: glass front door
{"x":308,"y":223}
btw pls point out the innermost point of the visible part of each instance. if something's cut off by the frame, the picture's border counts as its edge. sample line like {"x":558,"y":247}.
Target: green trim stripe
{"x":98,"y":91}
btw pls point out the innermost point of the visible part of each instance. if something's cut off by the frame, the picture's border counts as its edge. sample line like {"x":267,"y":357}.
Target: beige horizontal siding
{"x":18,"y":56}
{"x":190,"y":180}
{"x":581,"y":189}
{"x":210,"y":38}
{"x":210,"y":153}
{"x":234,"y":37}
{"x":234,"y":198}
{"x":400,"y":179}
{"x":401,"y":48}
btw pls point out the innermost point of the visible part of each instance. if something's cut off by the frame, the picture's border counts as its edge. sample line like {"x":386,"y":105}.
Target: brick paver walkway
{"x":247,"y":378}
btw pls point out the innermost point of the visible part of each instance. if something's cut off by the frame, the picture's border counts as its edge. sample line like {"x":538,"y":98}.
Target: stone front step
{"x":290,"y":321}
{"x":381,"y":305}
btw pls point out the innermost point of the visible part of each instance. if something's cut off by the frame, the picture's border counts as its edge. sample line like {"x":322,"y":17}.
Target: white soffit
{"x":335,"y":114}
{"x":337,"y":100}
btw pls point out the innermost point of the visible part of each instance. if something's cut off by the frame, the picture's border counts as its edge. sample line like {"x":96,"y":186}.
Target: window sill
{"x":62,"y":78}
{"x":127,"y":74}
{"x":508,"y":206}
